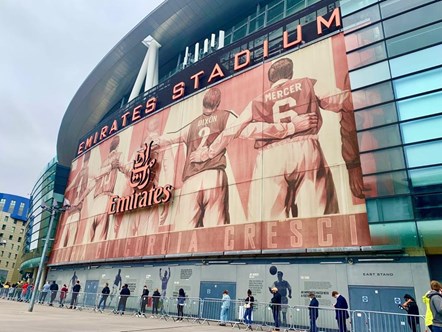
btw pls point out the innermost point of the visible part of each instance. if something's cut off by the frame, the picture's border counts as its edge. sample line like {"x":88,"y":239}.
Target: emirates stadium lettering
{"x":203,"y":74}
{"x":145,"y":194}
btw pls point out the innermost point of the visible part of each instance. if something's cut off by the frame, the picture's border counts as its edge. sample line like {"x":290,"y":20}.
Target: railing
{"x":212,"y":311}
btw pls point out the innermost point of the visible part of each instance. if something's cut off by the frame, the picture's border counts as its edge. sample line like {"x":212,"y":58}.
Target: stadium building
{"x":219,"y":139}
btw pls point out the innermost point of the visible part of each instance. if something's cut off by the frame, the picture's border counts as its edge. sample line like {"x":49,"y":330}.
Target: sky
{"x":48,"y":48}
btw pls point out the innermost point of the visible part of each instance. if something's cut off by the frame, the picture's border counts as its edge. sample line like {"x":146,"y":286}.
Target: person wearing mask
{"x":143,"y":301}
{"x":225,"y":306}
{"x":75,"y":291}
{"x":104,"y":295}
{"x":155,"y":301}
{"x":413,"y":311}
{"x":276,"y":307}
{"x":180,"y":303}
{"x":54,"y":290}
{"x":341,"y":307}
{"x":248,"y":310}
{"x":435,"y":297}
{"x":124,"y":295}
{"x":63,"y":294}
{"x":313,"y":311}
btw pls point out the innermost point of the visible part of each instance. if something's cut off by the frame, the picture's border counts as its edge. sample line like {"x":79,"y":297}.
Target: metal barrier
{"x":209,"y":311}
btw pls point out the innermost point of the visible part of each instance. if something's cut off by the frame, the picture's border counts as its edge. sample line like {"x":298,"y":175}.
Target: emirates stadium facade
{"x":220,"y":138}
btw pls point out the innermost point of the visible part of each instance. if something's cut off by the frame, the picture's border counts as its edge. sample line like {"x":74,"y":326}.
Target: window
{"x":376,"y":116}
{"x":7,"y":264}
{"x":418,"y":83}
{"x":360,"y":19}
{"x":390,"y":8}
{"x":364,"y":37}
{"x":19,"y":239}
{"x":9,"y":255}
{"x":3,"y":227}
{"x":424,"y":178}
{"x":3,"y":252}
{"x":18,"y":248}
{"x":15,"y":256}
{"x":370,"y":75}
{"x":424,"y":154}
{"x":383,"y":160}
{"x":372,"y":95}
{"x":421,"y":130}
{"x":367,"y":55}
{"x":12,"y":206}
{"x":6,"y":218}
{"x":390,"y":209}
{"x":350,"y":6}
{"x":21,"y":208}
{"x":13,"y":265}
{"x":386,"y":184}
{"x":428,"y":206}
{"x":10,"y":237}
{"x":13,"y":229}
{"x":12,"y":245}
{"x":416,"y":61}
{"x":412,"y":20}
{"x":379,"y":138}
{"x":420,"y":106}
{"x":415,"y":39}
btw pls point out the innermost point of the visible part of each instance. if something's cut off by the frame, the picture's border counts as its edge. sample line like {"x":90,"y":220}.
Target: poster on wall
{"x":265,"y":160}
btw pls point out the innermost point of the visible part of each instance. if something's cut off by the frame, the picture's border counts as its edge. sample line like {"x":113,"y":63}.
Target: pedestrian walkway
{"x":14,"y":316}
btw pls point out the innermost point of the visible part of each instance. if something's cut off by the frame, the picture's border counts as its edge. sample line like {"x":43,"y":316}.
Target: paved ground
{"x":14,"y":316}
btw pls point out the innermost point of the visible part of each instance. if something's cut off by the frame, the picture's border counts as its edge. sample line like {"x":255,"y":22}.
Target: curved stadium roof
{"x":175,"y":24}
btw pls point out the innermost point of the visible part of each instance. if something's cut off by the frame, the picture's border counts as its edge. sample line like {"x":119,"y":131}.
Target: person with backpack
{"x":435,"y":297}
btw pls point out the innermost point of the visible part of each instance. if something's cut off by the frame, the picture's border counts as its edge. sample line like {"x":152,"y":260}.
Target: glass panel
{"x":423,"y":59}
{"x":402,"y":234}
{"x":420,"y":106}
{"x":424,"y":154}
{"x":422,"y":130}
{"x":375,"y":116}
{"x":350,"y":6}
{"x":429,"y":232}
{"x":386,"y":184}
{"x":413,"y":19}
{"x":426,"y":177}
{"x":390,"y":209}
{"x":415,"y":39}
{"x":392,"y":7}
{"x":363,"y":37}
{"x":366,"y":56}
{"x":382,"y":161}
{"x":294,"y":6}
{"x":240,"y":33}
{"x":418,"y":83}
{"x":370,"y":75}
{"x":372,"y":95}
{"x":275,"y":13}
{"x":428,"y":206}
{"x":360,"y":19}
{"x":379,"y":138}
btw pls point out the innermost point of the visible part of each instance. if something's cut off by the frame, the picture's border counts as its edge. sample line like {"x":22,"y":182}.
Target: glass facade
{"x":394,"y":51}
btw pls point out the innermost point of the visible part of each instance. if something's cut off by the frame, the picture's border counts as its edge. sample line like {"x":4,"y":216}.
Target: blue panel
{"x":416,"y":61}
{"x":420,"y":106}
{"x":419,"y":83}
{"x":424,"y":154}
{"x":421,"y":130}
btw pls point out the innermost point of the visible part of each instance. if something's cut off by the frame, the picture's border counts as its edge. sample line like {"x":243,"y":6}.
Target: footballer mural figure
{"x":296,"y":177}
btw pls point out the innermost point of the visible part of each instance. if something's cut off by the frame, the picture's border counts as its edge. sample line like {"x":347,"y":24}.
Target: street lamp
{"x":53,"y":210}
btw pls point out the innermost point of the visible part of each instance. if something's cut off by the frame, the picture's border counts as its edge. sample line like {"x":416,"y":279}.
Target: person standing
{"x":144,"y":299}
{"x":124,"y":295}
{"x":155,"y":301}
{"x":276,"y":307}
{"x":75,"y":291}
{"x":104,"y":295}
{"x":44,"y":292}
{"x":435,"y":297}
{"x":63,"y":294}
{"x":225,"y":306}
{"x":412,"y":310}
{"x":428,"y":313}
{"x":341,"y":307}
{"x":248,"y":309}
{"x":313,"y":311}
{"x":285,"y":290}
{"x":54,"y":290}
{"x":23,"y":292}
{"x":180,"y":304}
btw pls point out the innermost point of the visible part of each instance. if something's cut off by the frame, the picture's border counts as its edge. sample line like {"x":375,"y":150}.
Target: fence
{"x":209,"y":311}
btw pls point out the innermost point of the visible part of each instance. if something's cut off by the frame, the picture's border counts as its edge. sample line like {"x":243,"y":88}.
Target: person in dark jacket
{"x":143,"y":301}
{"x":124,"y":295}
{"x":180,"y":304}
{"x":248,"y":310}
{"x":75,"y":291}
{"x":155,"y":301}
{"x":341,"y":307}
{"x":54,"y":290}
{"x":313,"y":312}
{"x":276,"y":307}
{"x":413,"y":312}
{"x":104,"y":295}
